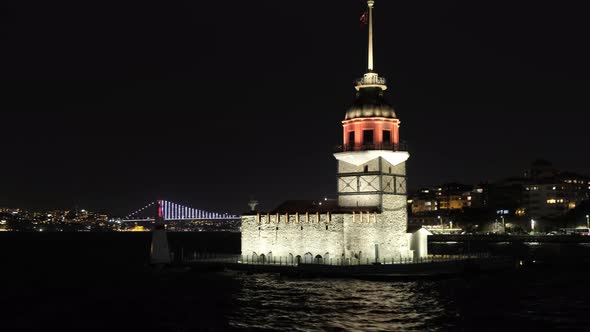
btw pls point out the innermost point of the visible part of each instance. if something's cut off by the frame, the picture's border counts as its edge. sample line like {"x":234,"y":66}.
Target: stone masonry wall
{"x":344,"y":235}
{"x":344,"y":167}
{"x":359,"y":200}
{"x":324,"y":238}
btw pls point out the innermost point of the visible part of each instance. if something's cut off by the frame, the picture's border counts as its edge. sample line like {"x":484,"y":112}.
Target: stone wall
{"x":359,"y":200}
{"x":344,"y":167}
{"x":399,"y":169}
{"x":322,"y":237}
{"x":374,"y":166}
{"x":333,"y":236}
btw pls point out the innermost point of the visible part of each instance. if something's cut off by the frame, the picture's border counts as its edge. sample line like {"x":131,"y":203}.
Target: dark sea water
{"x":100,"y":282}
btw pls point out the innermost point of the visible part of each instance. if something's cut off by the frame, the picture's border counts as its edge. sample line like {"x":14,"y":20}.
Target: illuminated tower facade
{"x":369,"y":222}
{"x":371,"y":161}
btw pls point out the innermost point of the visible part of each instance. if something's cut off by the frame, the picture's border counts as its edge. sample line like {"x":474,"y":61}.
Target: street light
{"x":587,"y":221}
{"x":503,"y":223}
{"x":532,"y":225}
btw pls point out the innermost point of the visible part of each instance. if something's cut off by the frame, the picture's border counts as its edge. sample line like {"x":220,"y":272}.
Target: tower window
{"x":351,"y":138}
{"x":386,"y":136}
{"x":366,"y":168}
{"x":367,"y":136}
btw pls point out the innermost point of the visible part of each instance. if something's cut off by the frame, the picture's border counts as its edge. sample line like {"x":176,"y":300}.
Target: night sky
{"x":108,"y":105}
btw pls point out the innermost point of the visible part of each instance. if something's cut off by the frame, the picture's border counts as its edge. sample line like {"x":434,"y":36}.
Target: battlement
{"x":361,"y":217}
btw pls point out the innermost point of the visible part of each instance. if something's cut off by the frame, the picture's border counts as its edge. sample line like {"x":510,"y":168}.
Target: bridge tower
{"x":371,"y":161}
{"x":160,"y":252}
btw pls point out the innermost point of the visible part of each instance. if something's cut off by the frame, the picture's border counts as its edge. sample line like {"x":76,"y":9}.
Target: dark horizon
{"x":110,"y":106}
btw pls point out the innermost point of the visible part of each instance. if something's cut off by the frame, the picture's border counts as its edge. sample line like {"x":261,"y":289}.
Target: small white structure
{"x":419,"y":241}
{"x":159,"y":251}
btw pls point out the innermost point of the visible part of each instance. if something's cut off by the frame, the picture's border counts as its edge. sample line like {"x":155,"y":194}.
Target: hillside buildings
{"x":542,"y":193}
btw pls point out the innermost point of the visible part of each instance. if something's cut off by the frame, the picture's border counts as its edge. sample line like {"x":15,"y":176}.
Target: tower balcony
{"x":371,"y":80}
{"x":395,"y":147}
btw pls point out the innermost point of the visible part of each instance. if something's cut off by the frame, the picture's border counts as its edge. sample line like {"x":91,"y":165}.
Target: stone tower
{"x":369,"y":223}
{"x":371,"y":161}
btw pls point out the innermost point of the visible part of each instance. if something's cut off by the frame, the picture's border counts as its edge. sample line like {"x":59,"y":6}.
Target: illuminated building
{"x":552,"y":198}
{"x":549,"y":193}
{"x":423,"y":205}
{"x":543,"y":192}
{"x":447,"y":197}
{"x":452,"y":202}
{"x":369,"y":219}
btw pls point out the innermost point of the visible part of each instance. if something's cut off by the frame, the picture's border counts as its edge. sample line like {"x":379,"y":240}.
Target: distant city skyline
{"x":176,"y":104}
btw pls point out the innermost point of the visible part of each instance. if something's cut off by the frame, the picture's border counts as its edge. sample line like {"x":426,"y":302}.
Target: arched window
{"x":254,"y":257}
{"x":308,"y":258}
{"x":318,"y":259}
{"x":262,"y":259}
{"x":291,"y":259}
{"x":327,"y":258}
{"x":298,"y":259}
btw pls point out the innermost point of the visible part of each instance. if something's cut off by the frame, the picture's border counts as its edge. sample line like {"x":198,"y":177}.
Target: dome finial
{"x":371,"y":79}
{"x":371,"y":4}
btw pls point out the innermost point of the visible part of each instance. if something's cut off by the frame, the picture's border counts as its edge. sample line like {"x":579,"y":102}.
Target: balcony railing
{"x":370,"y":80}
{"x":369,"y":147}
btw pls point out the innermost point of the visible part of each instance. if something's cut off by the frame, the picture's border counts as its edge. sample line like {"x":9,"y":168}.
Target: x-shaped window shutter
{"x":369,"y":183}
{"x":348,"y":184}
{"x":400,"y":185}
{"x":388,"y":184}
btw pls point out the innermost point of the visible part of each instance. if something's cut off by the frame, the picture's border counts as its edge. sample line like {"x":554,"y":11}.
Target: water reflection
{"x":265,"y":302}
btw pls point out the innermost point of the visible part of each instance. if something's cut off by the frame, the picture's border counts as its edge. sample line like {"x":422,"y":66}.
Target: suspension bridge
{"x":170,"y":211}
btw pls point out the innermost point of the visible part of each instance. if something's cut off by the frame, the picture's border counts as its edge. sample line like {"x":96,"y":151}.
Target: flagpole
{"x":371,"y":3}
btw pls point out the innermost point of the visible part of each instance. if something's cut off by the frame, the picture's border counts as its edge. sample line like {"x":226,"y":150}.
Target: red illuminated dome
{"x":371,"y":122}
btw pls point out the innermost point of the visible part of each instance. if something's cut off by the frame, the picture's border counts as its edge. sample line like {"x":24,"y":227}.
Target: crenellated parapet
{"x":294,"y":218}
{"x":359,"y":216}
